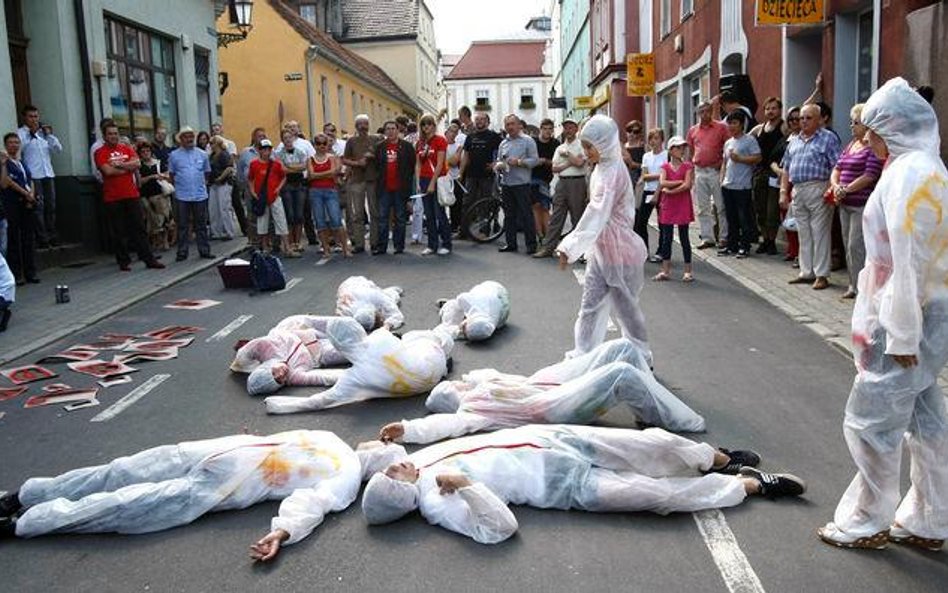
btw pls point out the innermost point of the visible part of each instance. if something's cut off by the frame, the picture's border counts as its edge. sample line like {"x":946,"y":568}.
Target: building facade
{"x":82,"y":60}
{"x":614,"y":33}
{"x":575,"y":73}
{"x":288,"y":69}
{"x":502,"y":77}
{"x":397,"y":35}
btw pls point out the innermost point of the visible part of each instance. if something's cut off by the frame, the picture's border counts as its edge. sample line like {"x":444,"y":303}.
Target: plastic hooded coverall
{"x":382,"y":366}
{"x":476,"y":314}
{"x":312,"y":471}
{"x":360,"y":298}
{"x":7,"y":284}
{"x":575,"y":391}
{"x":553,"y":466}
{"x":615,"y":255}
{"x":301,"y":343}
{"x":901,"y":309}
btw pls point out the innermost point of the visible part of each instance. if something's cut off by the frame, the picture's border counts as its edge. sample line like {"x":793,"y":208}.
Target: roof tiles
{"x":489,"y":59}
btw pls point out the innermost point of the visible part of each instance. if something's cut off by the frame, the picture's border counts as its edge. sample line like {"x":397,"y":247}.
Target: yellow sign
{"x":641,"y":75}
{"x":789,"y":12}
{"x":601,"y":96}
{"x":583,"y":103}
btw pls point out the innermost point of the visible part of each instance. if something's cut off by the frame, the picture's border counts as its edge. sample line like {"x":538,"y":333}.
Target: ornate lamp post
{"x":241,"y":13}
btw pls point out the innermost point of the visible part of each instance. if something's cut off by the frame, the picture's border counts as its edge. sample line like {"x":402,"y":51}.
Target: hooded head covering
{"x":445,"y":398}
{"x":375,"y":456}
{"x":904,"y":119}
{"x":386,"y":499}
{"x":365,"y":315}
{"x":260,"y":381}
{"x":478,"y":327}
{"x":603,"y":133}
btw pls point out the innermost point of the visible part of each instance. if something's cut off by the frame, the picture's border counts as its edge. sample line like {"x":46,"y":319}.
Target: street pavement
{"x":762,"y":380}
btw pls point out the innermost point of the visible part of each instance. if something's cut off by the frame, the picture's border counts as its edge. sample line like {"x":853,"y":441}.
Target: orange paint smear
{"x":276,"y":470}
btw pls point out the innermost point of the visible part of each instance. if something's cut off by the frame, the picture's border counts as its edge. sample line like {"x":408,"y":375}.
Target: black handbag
{"x":260,"y":203}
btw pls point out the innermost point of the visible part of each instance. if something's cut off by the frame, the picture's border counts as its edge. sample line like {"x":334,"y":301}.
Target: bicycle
{"x":484,"y":219}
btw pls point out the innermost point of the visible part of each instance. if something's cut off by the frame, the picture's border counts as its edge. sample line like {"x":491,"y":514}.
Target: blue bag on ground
{"x":266,"y":272}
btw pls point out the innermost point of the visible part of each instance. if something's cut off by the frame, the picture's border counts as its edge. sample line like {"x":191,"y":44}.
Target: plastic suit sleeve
{"x":394,"y":318}
{"x":305,"y":508}
{"x":437,"y":427}
{"x":473,"y":511}
{"x":590,"y":225}
{"x":900,"y":313}
{"x":315,"y":376}
{"x":347,"y":336}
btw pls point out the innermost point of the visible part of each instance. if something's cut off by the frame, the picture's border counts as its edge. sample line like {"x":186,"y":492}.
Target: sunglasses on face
{"x":320,"y":144}
{"x":635,"y":131}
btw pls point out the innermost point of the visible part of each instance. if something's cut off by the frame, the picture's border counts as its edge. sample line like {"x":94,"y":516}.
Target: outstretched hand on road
{"x":269,"y":546}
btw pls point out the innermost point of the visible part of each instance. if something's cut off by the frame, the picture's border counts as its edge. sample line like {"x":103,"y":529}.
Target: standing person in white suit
{"x":576,"y":391}
{"x":465,"y":485}
{"x":605,"y":236}
{"x":476,"y":314}
{"x":900,"y":336}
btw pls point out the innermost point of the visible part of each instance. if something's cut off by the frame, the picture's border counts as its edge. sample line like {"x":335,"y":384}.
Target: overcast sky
{"x":459,"y":22}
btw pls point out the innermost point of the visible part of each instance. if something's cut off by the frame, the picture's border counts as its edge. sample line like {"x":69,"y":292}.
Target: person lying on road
{"x":373,"y":307}
{"x":476,"y":314}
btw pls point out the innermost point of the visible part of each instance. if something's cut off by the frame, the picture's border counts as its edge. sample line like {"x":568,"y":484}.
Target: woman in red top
{"x":324,"y":198}
{"x":431,"y":164}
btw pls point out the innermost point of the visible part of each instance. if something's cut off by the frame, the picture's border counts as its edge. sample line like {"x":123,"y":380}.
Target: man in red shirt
{"x":123,"y":206}
{"x":395,"y":159}
{"x":706,"y":143}
{"x":265,"y":179}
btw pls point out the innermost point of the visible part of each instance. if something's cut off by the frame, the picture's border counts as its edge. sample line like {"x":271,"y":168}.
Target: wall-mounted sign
{"x":641,"y":75}
{"x":583,"y":102}
{"x":291,"y":76}
{"x":789,"y":12}
{"x":601,"y":96}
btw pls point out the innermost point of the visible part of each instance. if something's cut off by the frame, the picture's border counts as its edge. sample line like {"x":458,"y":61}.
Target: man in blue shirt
{"x":189,"y":168}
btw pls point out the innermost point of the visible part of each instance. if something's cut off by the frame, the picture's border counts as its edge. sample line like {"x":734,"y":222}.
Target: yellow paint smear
{"x":400,"y":384}
{"x":923,"y":195}
{"x":276,"y":470}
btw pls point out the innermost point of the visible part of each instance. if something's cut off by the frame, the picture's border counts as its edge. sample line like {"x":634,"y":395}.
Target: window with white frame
{"x":687,"y":8}
{"x":668,"y":112}
{"x":482,"y":99}
{"x":665,"y":23}
{"x":355,"y":106}
{"x":341,"y":100}
{"x":526,"y":97}
{"x":324,"y":98}
{"x":864,"y":57}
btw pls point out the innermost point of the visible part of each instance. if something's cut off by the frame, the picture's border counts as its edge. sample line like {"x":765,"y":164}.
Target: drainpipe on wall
{"x":876,"y":44}
{"x":307,"y":58}
{"x":86,"y":70}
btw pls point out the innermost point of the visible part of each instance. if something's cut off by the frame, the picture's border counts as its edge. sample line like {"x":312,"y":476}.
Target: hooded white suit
{"x":615,"y":255}
{"x":575,"y":391}
{"x":901,"y":309}
{"x":373,"y":307}
{"x":476,"y":314}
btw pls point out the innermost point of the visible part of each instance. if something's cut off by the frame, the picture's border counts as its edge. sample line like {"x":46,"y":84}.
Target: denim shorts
{"x":325,"y":206}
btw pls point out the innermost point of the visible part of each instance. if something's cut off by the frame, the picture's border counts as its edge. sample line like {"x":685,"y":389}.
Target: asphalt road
{"x":761,"y":381}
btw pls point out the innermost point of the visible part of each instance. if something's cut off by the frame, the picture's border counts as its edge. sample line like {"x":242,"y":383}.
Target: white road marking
{"x":227,"y":329}
{"x":290,"y":284}
{"x":738,"y":575}
{"x":132,"y":397}
{"x":323,"y":261}
{"x":581,"y":279}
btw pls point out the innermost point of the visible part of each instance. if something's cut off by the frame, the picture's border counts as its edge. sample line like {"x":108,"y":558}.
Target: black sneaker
{"x":775,"y":485}
{"x":10,"y":504}
{"x":440,"y":303}
{"x":724,"y":251}
{"x":742,"y":253}
{"x":739,"y":459}
{"x":7,"y":528}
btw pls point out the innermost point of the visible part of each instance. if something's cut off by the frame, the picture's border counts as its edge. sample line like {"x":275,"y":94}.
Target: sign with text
{"x":641,"y":75}
{"x":585,"y":102}
{"x":789,"y":12}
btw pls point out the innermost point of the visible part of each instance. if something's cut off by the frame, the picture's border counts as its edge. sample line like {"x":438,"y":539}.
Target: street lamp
{"x":241,"y":15}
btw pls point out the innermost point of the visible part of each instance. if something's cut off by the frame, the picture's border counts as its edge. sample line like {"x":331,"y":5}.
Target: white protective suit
{"x":7,"y":282}
{"x":615,"y":255}
{"x":476,"y":314}
{"x":301,"y":343}
{"x":373,"y":307}
{"x":590,"y":468}
{"x":312,"y":471}
{"x":575,"y":391}
{"x":901,"y":309}
{"x":382,"y":366}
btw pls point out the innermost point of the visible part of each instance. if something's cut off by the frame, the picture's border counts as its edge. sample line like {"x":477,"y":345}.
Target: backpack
{"x":266,"y":272}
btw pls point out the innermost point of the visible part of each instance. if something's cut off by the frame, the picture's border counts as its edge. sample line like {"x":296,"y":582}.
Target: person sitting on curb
{"x":313,"y":473}
{"x":577,"y":391}
{"x":465,"y":485}
{"x":476,"y":314}
{"x":383,"y":365}
{"x":373,"y":307}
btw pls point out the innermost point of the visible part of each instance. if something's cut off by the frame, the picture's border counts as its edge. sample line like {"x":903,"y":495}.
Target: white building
{"x":501,"y":77}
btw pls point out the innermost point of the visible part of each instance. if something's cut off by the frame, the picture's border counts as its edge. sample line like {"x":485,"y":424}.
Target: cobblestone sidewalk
{"x":822,"y":311}
{"x":97,"y":290}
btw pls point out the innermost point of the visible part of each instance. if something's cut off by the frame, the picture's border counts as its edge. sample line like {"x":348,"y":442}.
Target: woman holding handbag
{"x":431,"y":164}
{"x":156,"y":198}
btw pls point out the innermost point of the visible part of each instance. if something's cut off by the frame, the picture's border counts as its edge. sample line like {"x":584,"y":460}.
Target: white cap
{"x":675,"y":141}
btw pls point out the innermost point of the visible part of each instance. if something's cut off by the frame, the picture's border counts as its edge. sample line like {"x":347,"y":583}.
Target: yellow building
{"x":288,"y":69}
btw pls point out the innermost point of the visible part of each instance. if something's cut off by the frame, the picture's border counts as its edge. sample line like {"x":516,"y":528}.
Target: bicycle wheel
{"x":484,"y":219}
